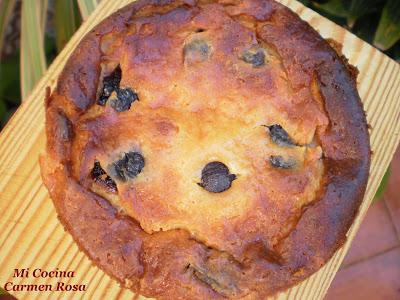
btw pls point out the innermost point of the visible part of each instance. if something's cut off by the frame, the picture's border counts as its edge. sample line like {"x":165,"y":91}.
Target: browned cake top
{"x":206,"y":148}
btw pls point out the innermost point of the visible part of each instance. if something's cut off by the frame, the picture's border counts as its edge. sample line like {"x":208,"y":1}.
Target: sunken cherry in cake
{"x":206,"y":149}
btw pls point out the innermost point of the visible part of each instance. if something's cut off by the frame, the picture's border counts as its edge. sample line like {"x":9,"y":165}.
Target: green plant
{"x":379,"y":193}
{"x":375,"y":21}
{"x":20,"y":72}
{"x":32,"y":54}
{"x":388,"y":32}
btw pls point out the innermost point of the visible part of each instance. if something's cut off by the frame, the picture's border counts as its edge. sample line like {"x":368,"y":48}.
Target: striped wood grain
{"x":31,"y":235}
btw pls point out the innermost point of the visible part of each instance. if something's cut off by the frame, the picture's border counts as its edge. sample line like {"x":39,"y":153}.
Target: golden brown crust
{"x":207,"y":74}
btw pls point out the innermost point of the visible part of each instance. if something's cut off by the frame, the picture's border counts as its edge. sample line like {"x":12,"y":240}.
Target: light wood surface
{"x":31,"y":235}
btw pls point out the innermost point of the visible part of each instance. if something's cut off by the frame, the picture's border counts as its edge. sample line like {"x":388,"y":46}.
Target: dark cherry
{"x":254,"y":57}
{"x":196,"y":50}
{"x":129,"y":166}
{"x":110,"y":84}
{"x":218,"y":280}
{"x":125,"y":97}
{"x":279,"y":162}
{"x":98,"y":174}
{"x":216,"y":178}
{"x":279,"y":135}
{"x":97,"y":170}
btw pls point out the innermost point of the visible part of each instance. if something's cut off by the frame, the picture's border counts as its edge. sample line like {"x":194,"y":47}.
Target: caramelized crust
{"x":206,"y":149}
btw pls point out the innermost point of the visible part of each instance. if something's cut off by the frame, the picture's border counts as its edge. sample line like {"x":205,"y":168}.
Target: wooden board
{"x":31,"y":235}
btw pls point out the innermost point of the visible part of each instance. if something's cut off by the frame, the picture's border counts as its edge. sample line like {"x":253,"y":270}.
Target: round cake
{"x":206,"y":149}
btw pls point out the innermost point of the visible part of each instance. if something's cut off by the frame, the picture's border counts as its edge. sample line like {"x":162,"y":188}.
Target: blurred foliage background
{"x":33,"y":32}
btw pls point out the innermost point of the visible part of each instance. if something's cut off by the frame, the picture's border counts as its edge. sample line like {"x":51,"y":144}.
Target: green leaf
{"x":359,"y":8}
{"x":3,"y":108}
{"x":6,"y":9}
{"x":50,"y":48}
{"x":8,"y":115}
{"x":333,"y":7}
{"x":65,"y":21}
{"x":9,"y":83}
{"x":366,"y":25}
{"x":32,"y":57}
{"x":388,"y":32}
{"x":86,"y":7}
{"x":394,"y":52}
{"x":382,"y":186}
{"x":43,"y":15}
